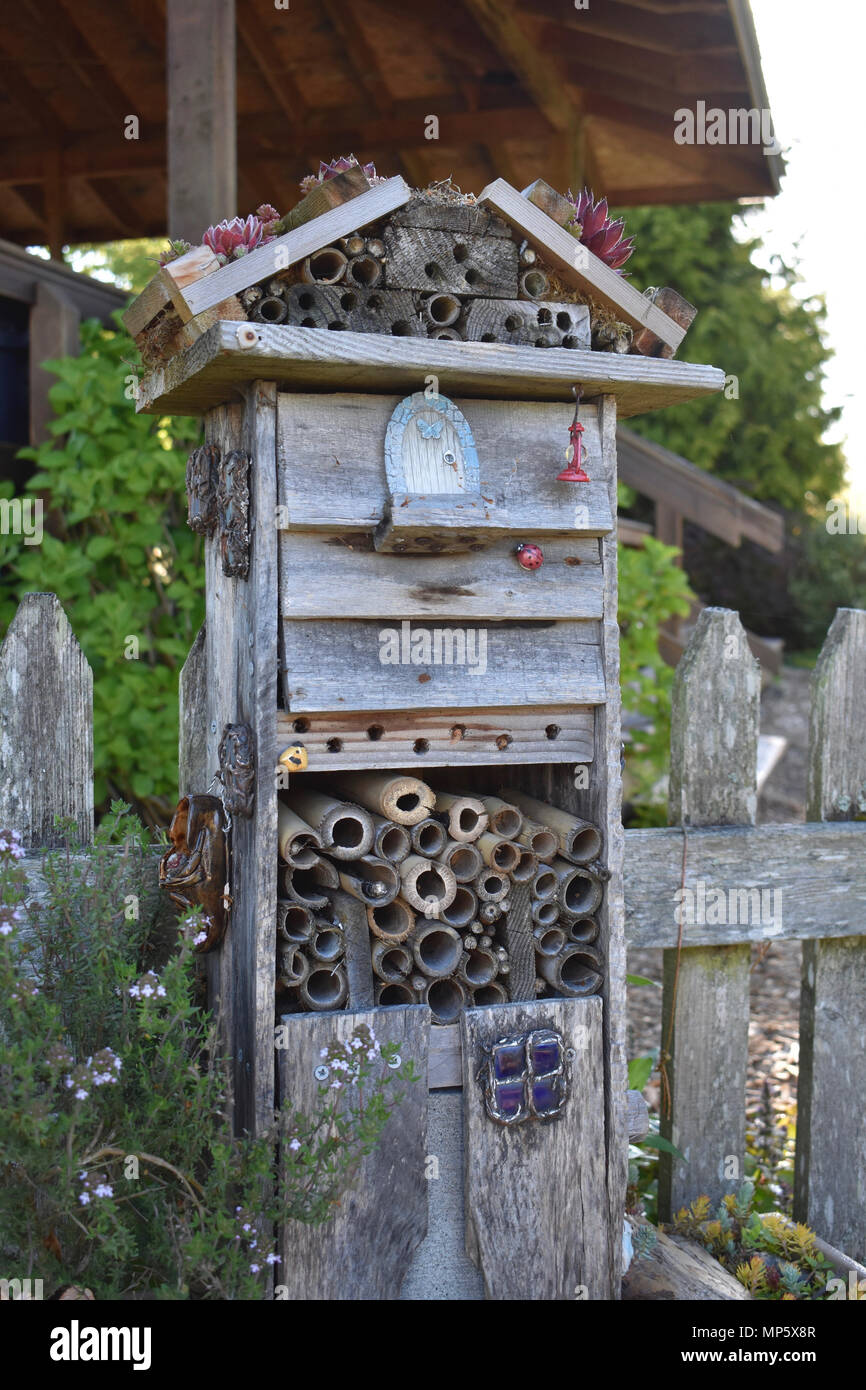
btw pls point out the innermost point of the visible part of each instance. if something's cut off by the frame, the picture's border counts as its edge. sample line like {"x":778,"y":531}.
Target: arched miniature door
{"x":433,"y":477}
{"x":429,"y":447}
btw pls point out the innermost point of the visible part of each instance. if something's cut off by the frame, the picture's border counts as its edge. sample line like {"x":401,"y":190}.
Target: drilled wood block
{"x":525,"y":321}
{"x":344,"y":306}
{"x":449,"y":217}
{"x":423,"y":259}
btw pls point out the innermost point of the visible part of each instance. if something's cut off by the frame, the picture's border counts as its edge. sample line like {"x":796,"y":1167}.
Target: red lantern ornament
{"x":574,"y":473}
{"x":530,"y":556}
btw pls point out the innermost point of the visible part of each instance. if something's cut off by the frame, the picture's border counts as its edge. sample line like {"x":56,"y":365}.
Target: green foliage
{"x":118,"y":1169}
{"x":832,"y":575}
{"x":652,"y":588}
{"x":769,"y":441}
{"x":770,"y":1135}
{"x":771,"y":1256}
{"x":121,"y":559}
{"x":129,"y":264}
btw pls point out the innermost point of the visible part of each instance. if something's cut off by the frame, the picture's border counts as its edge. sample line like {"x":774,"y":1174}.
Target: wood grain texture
{"x":516,"y":935}
{"x":541,"y":1231}
{"x":364,"y":1251}
{"x":522,"y":321}
{"x":705,"y":1009}
{"x":445,"y":1065}
{"x":450,"y":217}
{"x":295,"y":245}
{"x":420,"y":258}
{"x":401,"y":738}
{"x":332,"y":474}
{"x":337,"y":663}
{"x":192,"y":763}
{"x":830,"y":1166}
{"x":577,"y":265}
{"x":431,"y":525}
{"x":241,"y":659}
{"x":321,"y":576}
{"x":46,"y":725}
{"x":679,"y":1270}
{"x":353,"y":917}
{"x":817,"y":873}
{"x":209,"y":372}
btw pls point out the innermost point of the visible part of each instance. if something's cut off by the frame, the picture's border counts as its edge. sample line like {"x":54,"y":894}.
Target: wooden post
{"x":705,"y":1011}
{"x":54,"y":325}
{"x":192,"y":764}
{"x":46,"y":725}
{"x":830,"y":1168}
{"x":202,"y":157}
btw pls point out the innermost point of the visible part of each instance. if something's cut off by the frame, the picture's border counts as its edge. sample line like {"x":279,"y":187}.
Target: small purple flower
{"x":103,"y":1189}
{"x":84,"y":1198}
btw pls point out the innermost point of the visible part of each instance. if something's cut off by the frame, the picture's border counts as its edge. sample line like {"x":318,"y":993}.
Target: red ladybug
{"x":531,"y":557}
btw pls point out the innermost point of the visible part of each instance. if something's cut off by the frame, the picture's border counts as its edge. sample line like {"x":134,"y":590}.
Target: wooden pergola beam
{"x":202,"y":156}
{"x":683,"y":32}
{"x":539,"y":76}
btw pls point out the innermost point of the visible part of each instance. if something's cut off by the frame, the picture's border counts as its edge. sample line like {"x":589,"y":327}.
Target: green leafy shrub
{"x":117,"y":1166}
{"x":120,"y":557}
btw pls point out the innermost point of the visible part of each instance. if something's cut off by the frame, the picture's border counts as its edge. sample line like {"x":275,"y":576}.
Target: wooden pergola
{"x":125,"y":119}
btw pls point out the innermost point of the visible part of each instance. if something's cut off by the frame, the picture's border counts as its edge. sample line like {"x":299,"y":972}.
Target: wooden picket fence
{"x":817,"y":872}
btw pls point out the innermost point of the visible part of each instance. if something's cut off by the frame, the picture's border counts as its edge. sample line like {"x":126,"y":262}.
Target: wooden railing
{"x":813,"y":878}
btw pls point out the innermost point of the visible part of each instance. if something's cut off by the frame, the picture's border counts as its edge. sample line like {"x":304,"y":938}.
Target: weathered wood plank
{"x":830,"y":1167}
{"x":812,"y":878}
{"x":450,"y":217}
{"x":527,"y":321}
{"x":445,"y":1066}
{"x":516,"y":933}
{"x":364,"y":1251}
{"x":321,"y":576}
{"x":241,"y":660}
{"x":420,"y":258}
{"x":360,"y":665}
{"x":430,"y":525}
{"x":680,"y":1270}
{"x":577,"y":265}
{"x":540,"y":1232}
{"x":459,"y":737}
{"x":208,"y":372}
{"x":353,"y":916}
{"x":705,"y":1009}
{"x":46,"y":725}
{"x":341,"y":485}
{"x":193,"y":774}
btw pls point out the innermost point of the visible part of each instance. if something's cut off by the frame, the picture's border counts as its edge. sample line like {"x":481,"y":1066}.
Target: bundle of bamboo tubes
{"x":469,"y":900}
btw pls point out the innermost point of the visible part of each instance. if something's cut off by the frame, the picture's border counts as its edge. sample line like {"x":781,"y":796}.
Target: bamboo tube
{"x":540,"y":840}
{"x":394,"y":993}
{"x":376,"y":247}
{"x":505,"y":820}
{"x":528,"y":254}
{"x":437,"y":948}
{"x":305,"y":886}
{"x":580,"y":890}
{"x":579,"y":840}
{"x":545,"y":884}
{"x":293,"y":967}
{"x":505,"y":903}
{"x":476,"y":928}
{"x":326,"y":987}
{"x":324,"y":267}
{"x":467,"y":818}
{"x":535,"y":284}
{"x":549,"y":941}
{"x":419,"y":984}
{"x":391,"y":962}
{"x":575,"y":972}
{"x":365,"y":271}
{"x":478,"y":968}
{"x":352,"y":245}
{"x":327,"y":944}
{"x":545,"y":913}
{"x":370,"y":879}
{"x":390,"y":841}
{"x":429,"y":837}
{"x":583,"y":930}
{"x":346,"y":830}
{"x":497,"y":853}
{"x":300,"y":845}
{"x":526,"y":868}
{"x":294,"y":922}
{"x":491,"y":886}
{"x":445,"y":998}
{"x":485,"y":941}
{"x":442,"y":310}
{"x":271,"y":308}
{"x":462,"y":910}
{"x":489,"y":913}
{"x":427,"y":885}
{"x":492,"y":993}
{"x":406,"y":800}
{"x":449,"y":334}
{"x":391,"y":921}
{"x":464,"y":861}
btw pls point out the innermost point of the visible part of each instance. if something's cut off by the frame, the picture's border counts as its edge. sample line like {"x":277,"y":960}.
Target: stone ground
{"x":775,"y":992}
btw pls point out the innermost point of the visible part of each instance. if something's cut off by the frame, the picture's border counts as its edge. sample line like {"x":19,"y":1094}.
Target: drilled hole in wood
{"x":306,"y":301}
{"x":338,"y":325}
{"x":460,"y":251}
{"x":488,"y":337}
{"x":471,"y":276}
{"x":308,"y":323}
{"x":420,"y":746}
{"x":503,"y":741}
{"x":571,"y":560}
{"x":544,"y":316}
{"x":552,"y":731}
{"x":511,"y":323}
{"x":334,"y":745}
{"x":374,"y":302}
{"x":348,"y":301}
{"x":569,"y":342}
{"x":433,"y":271}
{"x":401,"y":329}
{"x":375,"y":732}
{"x":458,"y":732}
{"x":300,"y":726}
{"x":563,"y":320}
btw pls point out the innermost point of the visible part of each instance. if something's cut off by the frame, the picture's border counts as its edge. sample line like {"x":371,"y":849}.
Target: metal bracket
{"x":233,"y":512}
{"x":237,"y":769}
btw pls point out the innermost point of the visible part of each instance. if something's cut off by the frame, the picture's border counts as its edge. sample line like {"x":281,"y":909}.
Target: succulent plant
{"x":599,"y":233}
{"x":176,"y":247}
{"x":231,"y":240}
{"x":338,"y":166}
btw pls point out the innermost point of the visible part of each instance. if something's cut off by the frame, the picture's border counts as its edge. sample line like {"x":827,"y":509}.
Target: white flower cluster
{"x":102,"y":1069}
{"x":10,"y":843}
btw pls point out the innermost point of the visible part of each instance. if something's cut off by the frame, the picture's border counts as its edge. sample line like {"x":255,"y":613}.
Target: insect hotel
{"x":400,"y":743}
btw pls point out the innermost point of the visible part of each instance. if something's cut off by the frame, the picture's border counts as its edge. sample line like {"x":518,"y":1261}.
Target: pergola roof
{"x":521,"y":88}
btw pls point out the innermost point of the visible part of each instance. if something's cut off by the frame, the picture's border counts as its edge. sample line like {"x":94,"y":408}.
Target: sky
{"x":813,"y":68}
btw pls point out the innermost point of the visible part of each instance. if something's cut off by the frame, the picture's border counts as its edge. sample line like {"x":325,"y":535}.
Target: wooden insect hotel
{"x":407,"y":689}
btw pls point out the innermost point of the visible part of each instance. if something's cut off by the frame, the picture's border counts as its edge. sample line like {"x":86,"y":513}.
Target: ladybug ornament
{"x":530,"y":556}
